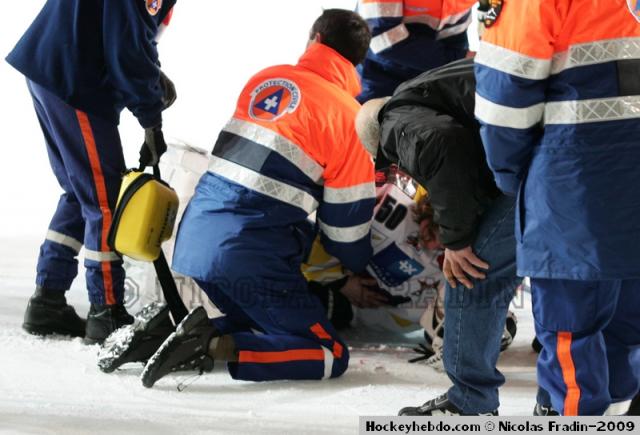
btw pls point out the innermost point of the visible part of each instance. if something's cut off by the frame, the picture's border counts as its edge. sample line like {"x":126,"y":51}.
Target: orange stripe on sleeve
{"x":563,"y":350}
{"x":103,"y":202}
{"x":247,"y":356}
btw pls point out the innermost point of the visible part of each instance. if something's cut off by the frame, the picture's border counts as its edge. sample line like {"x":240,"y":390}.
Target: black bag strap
{"x":156,"y":171}
{"x":167,"y":283}
{"x":169,"y":289}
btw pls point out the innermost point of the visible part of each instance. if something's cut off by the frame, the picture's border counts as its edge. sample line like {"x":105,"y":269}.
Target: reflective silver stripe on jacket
{"x":380,"y":10}
{"x":505,"y":116}
{"x":263,"y":184}
{"x":455,"y":30}
{"x":345,"y":234}
{"x":389,"y":38}
{"x":65,"y":240}
{"x":592,"y":53}
{"x":511,"y":62}
{"x":101,"y":256}
{"x":275,"y":142}
{"x":346,"y":195}
{"x":438,"y":23}
{"x":596,"y":110}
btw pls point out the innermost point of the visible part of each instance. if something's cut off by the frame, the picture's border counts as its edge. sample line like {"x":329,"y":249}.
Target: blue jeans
{"x":474,"y":319}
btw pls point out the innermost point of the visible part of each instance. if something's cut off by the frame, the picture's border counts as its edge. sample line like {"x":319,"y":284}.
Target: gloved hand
{"x":169,"y":89}
{"x":153,"y":147}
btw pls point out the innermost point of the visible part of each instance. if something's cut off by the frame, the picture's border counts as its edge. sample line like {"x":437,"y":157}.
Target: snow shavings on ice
{"x":53,"y":385}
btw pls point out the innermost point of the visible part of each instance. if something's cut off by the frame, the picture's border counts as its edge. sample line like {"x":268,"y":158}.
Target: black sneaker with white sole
{"x":185,"y":349}
{"x":438,"y":407}
{"x":139,"y":341}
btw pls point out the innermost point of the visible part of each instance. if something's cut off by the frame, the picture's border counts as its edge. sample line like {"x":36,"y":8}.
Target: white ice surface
{"x":53,"y":386}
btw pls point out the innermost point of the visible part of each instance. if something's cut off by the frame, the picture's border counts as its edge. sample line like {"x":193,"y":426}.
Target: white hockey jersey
{"x":409,"y":273}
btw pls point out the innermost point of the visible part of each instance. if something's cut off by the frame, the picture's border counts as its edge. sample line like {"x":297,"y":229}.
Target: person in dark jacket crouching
{"x":428,"y":128}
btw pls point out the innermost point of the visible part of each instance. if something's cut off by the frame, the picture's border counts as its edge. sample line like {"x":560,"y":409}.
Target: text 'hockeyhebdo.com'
{"x":498,"y":425}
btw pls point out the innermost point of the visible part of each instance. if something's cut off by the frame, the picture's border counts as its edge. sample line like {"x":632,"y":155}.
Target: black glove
{"x":169,"y":90}
{"x":153,"y":147}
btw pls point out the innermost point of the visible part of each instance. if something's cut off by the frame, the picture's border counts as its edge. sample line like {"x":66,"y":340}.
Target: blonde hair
{"x":367,"y":125}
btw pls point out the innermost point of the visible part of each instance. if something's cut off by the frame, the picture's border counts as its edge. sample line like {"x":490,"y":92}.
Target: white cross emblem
{"x":270,"y":103}
{"x":407,"y":268}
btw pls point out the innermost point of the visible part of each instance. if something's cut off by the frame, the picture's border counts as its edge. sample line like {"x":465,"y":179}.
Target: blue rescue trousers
{"x":278,"y":333}
{"x":86,"y":157}
{"x":590,"y":333}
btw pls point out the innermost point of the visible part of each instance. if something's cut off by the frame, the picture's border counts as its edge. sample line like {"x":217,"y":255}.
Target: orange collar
{"x":330,"y":65}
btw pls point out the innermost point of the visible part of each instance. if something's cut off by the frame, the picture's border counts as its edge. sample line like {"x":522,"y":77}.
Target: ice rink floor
{"x":53,"y":386}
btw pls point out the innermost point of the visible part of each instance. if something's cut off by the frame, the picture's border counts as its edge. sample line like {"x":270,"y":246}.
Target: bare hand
{"x":459,"y":265}
{"x":359,"y":291}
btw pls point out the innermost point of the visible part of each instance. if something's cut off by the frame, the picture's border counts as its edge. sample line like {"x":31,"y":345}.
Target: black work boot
{"x":438,"y":407}
{"x":48,"y":313}
{"x":138,"y":341}
{"x":185,"y":349}
{"x":103,"y":320}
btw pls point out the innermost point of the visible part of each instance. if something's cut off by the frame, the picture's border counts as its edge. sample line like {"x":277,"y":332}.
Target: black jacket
{"x":428,"y":128}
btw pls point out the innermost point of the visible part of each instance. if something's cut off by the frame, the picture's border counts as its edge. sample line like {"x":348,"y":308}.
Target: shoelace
{"x":198,"y":364}
{"x":183,"y":385}
{"x":424,"y":353}
{"x":436,"y":361}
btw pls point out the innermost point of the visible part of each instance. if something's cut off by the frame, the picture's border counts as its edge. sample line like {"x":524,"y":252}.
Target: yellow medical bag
{"x":144,"y":217}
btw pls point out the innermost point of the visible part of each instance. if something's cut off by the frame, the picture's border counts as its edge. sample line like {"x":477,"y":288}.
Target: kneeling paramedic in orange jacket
{"x":289,"y":150}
